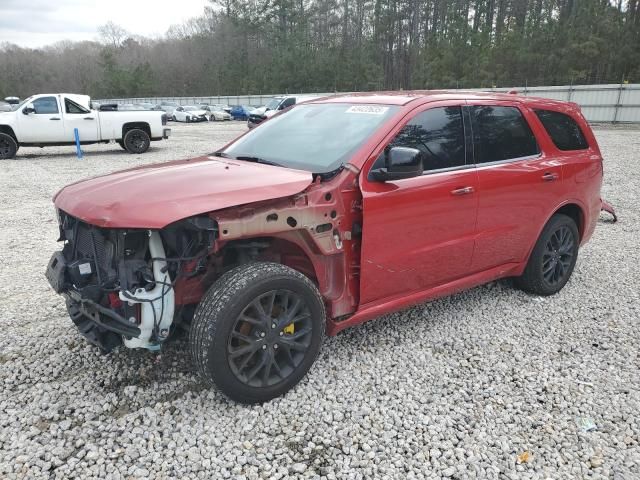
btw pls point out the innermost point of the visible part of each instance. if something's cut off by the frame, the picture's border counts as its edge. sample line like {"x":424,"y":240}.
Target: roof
{"x":404,"y":97}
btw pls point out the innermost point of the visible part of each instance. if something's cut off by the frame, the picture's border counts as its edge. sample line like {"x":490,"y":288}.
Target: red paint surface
{"x":418,"y":241}
{"x":157,"y":195}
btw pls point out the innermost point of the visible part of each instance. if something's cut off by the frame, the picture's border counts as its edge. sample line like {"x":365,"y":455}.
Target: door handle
{"x":550,"y":177}
{"x":462,"y":191}
{"x":88,"y":118}
{"x":54,"y":118}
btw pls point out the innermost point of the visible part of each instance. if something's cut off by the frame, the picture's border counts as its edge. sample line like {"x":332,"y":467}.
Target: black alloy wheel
{"x":553,"y":257}
{"x":269,"y":338}
{"x":136,"y":141}
{"x":257,"y":331}
{"x":557,"y":258}
{"x":8,"y":146}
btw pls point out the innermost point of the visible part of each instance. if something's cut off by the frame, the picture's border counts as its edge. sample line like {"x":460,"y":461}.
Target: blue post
{"x":78,"y":149}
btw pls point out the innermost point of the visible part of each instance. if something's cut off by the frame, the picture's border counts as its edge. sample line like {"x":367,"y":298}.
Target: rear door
{"x":419,"y":232}
{"x":77,"y":116}
{"x":43,"y":126}
{"x":519,"y":184}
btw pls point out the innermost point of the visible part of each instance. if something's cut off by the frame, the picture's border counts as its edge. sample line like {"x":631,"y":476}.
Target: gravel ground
{"x":490,"y":383}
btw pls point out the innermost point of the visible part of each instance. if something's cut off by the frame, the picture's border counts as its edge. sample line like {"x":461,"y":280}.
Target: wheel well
{"x":9,"y":131}
{"x":271,"y":249}
{"x":575,"y":212}
{"x":132,"y":125}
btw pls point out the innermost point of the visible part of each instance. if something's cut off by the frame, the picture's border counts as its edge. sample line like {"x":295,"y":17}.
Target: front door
{"x":43,"y":126}
{"x":419,"y":232}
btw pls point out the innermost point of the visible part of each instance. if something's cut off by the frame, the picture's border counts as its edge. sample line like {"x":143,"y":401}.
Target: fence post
{"x":570,"y":91}
{"x":617,"y":105}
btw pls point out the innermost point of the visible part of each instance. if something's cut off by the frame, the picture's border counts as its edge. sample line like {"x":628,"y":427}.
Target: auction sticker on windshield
{"x":368,"y":109}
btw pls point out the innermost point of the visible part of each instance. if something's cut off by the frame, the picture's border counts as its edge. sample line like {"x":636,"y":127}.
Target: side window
{"x":287,"y":103}
{"x":563,"y":130}
{"x":46,"y":105}
{"x":438,"y":133}
{"x":72,"y":107}
{"x":501,"y":133}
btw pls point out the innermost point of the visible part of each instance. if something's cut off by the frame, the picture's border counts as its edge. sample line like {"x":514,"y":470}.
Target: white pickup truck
{"x":51,"y":119}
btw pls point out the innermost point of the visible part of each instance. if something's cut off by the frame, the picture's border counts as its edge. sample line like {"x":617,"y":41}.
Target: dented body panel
{"x":371,"y":247}
{"x":155,"y":196}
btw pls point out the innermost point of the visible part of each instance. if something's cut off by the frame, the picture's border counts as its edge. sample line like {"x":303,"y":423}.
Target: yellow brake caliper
{"x":288,"y":329}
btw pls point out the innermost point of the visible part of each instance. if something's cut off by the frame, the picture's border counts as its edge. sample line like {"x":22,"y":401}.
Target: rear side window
{"x":501,"y":133}
{"x":73,"y":107}
{"x":563,"y":130}
{"x":438,"y":133}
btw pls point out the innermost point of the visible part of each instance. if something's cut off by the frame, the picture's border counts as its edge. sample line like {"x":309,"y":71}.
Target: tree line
{"x":275,"y":46}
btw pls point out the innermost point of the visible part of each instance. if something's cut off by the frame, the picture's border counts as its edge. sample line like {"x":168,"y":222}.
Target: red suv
{"x":329,"y":214}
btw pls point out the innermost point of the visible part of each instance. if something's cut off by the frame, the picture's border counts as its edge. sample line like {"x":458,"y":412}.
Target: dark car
{"x":241,"y":112}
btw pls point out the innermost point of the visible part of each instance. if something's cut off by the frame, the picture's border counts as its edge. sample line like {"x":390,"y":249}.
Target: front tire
{"x":136,"y":141}
{"x":8,"y":147}
{"x":257,"y":331}
{"x":553,"y":258}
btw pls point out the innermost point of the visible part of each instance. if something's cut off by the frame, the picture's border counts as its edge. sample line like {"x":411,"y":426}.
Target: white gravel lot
{"x":490,"y":383}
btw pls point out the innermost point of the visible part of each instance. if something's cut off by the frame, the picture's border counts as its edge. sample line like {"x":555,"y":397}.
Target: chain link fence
{"x":613,"y":102}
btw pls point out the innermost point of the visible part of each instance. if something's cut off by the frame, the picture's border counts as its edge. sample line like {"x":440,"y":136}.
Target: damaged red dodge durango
{"x":330,"y":214}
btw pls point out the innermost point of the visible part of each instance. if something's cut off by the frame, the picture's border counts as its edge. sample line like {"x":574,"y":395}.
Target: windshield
{"x":273,"y":103}
{"x":317,"y":138}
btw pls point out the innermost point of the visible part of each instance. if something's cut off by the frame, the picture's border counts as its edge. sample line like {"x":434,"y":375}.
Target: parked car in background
{"x":334,"y":213}
{"x":168,"y":108}
{"x":5,"y":107}
{"x":241,"y":112}
{"x":190,"y":113}
{"x":216,"y":113}
{"x":274,"y":105}
{"x":51,"y":119}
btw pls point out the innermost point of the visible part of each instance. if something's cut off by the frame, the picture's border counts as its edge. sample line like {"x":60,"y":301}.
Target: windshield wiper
{"x":248,"y":158}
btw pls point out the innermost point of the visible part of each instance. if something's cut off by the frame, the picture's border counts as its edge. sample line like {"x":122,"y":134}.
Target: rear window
{"x":501,"y":133}
{"x":563,"y":130}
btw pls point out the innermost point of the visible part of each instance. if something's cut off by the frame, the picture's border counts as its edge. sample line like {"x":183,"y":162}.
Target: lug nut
{"x":264,"y":347}
{"x":273,"y":325}
{"x":262,"y":334}
{"x":281,"y":333}
{"x":275,"y":346}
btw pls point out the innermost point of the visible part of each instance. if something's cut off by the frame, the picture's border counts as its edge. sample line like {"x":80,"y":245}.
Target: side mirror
{"x":29,"y":109}
{"x":400,"y":163}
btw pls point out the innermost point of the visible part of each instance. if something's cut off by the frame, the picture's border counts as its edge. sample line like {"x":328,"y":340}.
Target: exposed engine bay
{"x":119,"y":283}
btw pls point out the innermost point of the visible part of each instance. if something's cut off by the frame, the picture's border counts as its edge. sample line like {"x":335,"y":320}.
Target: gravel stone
{"x":458,"y":387}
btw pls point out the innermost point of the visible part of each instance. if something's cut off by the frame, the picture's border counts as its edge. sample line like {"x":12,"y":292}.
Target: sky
{"x":36,"y":23}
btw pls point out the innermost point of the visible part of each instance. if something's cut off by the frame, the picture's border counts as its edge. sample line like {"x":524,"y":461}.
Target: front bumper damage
{"x":114,"y":299}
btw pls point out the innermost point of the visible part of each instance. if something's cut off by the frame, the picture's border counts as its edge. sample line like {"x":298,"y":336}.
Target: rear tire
{"x":553,"y":258}
{"x":136,"y":141}
{"x":257,"y":331}
{"x":8,"y":146}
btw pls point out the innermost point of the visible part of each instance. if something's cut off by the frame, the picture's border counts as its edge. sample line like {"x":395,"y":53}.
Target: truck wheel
{"x":257,"y":331}
{"x":8,"y":146}
{"x":136,"y":141}
{"x":553,"y":258}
